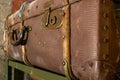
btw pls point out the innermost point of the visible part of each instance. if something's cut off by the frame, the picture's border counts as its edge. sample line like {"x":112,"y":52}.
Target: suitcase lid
{"x":39,"y":8}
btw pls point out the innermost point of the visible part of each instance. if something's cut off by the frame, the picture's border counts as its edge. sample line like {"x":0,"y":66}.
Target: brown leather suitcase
{"x":76,"y":38}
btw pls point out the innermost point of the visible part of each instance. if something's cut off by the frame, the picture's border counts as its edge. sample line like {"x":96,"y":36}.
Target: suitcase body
{"x":80,"y":34}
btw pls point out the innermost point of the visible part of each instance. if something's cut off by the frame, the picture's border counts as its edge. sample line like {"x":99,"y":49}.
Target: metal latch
{"x":52,"y":18}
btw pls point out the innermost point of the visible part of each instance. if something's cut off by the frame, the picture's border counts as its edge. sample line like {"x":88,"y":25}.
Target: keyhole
{"x":53,"y":20}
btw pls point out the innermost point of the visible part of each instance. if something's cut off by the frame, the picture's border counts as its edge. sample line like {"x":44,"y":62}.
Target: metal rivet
{"x":105,"y":27}
{"x":104,"y":1}
{"x":36,"y":6}
{"x":63,"y":37}
{"x":105,"y":56}
{"x":63,"y":63}
{"x":105,"y":15}
{"x":63,"y":13}
{"x":83,"y":69}
{"x":44,"y":43}
{"x":105,"y":40}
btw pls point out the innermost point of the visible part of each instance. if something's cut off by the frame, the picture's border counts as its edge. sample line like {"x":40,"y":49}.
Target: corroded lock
{"x":52,"y":19}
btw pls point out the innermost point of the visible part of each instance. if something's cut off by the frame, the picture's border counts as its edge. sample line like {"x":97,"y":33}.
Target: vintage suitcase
{"x":76,"y":38}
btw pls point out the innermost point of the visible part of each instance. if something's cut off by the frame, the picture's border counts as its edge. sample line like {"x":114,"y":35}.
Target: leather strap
{"x":66,"y":42}
{"x":24,"y":57}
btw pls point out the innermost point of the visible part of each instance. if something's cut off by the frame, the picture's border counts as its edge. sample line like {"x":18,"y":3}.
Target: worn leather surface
{"x":94,"y":43}
{"x":88,"y":46}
